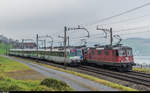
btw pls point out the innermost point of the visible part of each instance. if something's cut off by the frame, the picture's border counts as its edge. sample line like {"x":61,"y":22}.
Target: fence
{"x":143,"y":65}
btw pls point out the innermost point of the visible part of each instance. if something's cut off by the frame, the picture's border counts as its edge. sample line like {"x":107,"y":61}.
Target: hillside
{"x":141,"y":46}
{"x":5,"y":44}
{"x":4,"y":48}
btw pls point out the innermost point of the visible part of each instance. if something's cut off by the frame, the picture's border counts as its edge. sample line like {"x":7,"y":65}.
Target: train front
{"x":75,"y":56}
{"x":125,"y":57}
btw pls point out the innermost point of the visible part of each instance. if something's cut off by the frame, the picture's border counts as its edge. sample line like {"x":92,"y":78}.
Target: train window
{"x":122,"y":53}
{"x":68,"y":53}
{"x":56,"y":54}
{"x":48,"y":53}
{"x":52,"y":54}
{"x":99,"y":52}
{"x":59,"y":54}
{"x":129,"y":52}
{"x":40,"y":52}
{"x":79,"y":53}
{"x":106,"y":52}
{"x":62,"y":54}
{"x":43,"y":53}
{"x":85,"y":51}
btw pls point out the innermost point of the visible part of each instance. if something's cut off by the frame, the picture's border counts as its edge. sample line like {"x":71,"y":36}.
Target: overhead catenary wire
{"x":135,"y":32}
{"x":77,"y":41}
{"x":126,"y":20}
{"x":119,"y":14}
{"x":121,"y":30}
{"x":134,"y":28}
{"x":119,"y":34}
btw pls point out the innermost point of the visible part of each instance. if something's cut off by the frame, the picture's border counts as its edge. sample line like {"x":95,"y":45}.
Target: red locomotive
{"x":116,"y":56}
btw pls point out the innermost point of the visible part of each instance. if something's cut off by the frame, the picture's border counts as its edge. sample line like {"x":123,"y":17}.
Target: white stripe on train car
{"x":99,"y":48}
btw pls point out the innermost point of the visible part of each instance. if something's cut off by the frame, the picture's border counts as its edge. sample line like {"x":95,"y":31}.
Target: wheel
{"x":84,"y":62}
{"x":120,"y":69}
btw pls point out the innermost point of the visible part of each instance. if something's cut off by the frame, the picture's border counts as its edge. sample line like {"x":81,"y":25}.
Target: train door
{"x":93,"y":57}
{"x":89,"y":54}
{"x":115,"y":55}
{"x":106,"y":56}
{"x":84,"y":53}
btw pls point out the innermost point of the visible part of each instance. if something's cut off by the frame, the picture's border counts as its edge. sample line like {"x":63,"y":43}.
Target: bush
{"x":10,"y":84}
{"x":2,"y":77}
{"x":42,"y":88}
{"x":14,"y":87}
{"x":56,"y":84}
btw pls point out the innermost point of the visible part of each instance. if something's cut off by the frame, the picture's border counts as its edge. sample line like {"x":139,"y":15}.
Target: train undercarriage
{"x":121,"y":67}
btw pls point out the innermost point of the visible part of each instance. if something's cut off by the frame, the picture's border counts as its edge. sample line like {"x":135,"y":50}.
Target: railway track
{"x":142,"y":74}
{"x":137,"y":78}
{"x":139,"y":74}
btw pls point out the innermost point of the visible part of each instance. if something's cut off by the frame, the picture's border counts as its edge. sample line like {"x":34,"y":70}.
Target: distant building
{"x":25,"y":45}
{"x":29,"y":45}
{"x":3,"y":39}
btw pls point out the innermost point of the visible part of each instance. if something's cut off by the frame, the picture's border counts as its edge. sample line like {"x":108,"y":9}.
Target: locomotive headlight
{"x":75,"y":60}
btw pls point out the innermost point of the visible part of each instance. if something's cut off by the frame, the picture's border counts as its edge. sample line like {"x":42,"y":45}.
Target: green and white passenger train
{"x":74,"y":56}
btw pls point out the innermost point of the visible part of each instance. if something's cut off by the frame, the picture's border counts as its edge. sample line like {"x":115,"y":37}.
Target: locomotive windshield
{"x":129,"y":52}
{"x":122,"y":53}
{"x":125,"y":52}
{"x":79,"y":53}
{"x":76,"y":52}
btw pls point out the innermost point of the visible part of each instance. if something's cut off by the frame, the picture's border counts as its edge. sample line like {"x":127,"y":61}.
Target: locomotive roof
{"x":53,"y":50}
{"x":110,"y":47}
{"x":56,"y":50}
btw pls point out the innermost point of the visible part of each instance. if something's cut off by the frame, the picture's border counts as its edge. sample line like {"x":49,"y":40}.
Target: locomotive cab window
{"x":85,"y":51}
{"x":129,"y":52}
{"x":122,"y":53}
{"x":75,"y":52}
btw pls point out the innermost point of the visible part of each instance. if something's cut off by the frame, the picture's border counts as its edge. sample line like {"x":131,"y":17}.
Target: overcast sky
{"x":26,"y":18}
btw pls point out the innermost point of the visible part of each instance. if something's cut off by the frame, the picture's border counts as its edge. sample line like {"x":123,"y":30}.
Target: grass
{"x":7,"y":65}
{"x":145,"y":70}
{"x":4,"y":48}
{"x":11,"y":84}
{"x":98,"y":80}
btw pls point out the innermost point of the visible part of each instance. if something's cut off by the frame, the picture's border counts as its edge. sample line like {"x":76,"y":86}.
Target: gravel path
{"x":76,"y":82}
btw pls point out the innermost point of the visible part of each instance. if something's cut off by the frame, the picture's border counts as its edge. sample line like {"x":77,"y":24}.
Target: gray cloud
{"x":25,"y":18}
